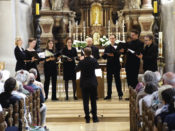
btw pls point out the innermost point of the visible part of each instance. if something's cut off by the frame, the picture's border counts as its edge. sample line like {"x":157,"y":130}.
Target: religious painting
{"x":96,"y":14}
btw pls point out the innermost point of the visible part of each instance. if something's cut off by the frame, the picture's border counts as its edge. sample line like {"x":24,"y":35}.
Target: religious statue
{"x":96,"y":16}
{"x":57,"y":4}
{"x":120,"y":18}
{"x":96,"y":38}
{"x":135,"y":4}
{"x":45,"y":5}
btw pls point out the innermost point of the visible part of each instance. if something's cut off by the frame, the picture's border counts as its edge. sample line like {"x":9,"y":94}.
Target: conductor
{"x":88,"y":83}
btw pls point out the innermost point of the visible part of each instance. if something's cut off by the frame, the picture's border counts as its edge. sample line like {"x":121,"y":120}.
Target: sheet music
{"x":131,"y":51}
{"x":98,"y":73}
{"x":42,"y":55}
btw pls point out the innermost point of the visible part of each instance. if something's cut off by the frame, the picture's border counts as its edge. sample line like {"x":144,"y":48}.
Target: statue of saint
{"x":135,"y":4}
{"x":96,"y":16}
{"x":57,"y":4}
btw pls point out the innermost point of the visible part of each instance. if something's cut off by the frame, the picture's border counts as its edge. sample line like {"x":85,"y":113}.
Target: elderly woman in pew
{"x":167,"y":112}
{"x":42,"y":105}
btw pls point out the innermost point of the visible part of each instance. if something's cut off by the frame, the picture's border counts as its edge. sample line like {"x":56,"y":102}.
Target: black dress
{"x":50,"y":72}
{"x":20,"y":57}
{"x":69,"y":72}
{"x":29,"y":65}
{"x":150,"y":54}
{"x":133,"y":62}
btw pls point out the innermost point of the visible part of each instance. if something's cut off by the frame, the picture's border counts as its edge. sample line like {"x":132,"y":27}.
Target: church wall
{"x":15,"y":21}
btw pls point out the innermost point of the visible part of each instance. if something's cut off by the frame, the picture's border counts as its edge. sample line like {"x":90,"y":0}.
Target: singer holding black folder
{"x":69,"y":54}
{"x":50,"y":69}
{"x":32,"y":58}
{"x":134,"y":49}
{"x":112,"y":54}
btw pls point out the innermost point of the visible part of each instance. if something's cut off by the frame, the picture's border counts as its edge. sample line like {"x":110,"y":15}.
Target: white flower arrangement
{"x":79,"y":44}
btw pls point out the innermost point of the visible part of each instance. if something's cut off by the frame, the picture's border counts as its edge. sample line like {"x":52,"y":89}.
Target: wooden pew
{"x":2,"y":121}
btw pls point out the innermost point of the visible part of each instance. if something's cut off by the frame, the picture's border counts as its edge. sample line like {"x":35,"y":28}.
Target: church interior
{"x":137,"y":107}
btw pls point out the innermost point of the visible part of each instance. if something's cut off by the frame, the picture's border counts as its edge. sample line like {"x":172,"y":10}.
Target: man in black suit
{"x":134,"y":48}
{"x":95,"y":50}
{"x":150,"y":54}
{"x":88,"y":83}
{"x":112,"y":54}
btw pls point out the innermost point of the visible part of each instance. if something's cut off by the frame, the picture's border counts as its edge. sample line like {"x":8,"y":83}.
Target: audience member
{"x":169,"y":79}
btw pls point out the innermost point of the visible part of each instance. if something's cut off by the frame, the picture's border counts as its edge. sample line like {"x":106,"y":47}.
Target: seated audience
{"x":169,"y":79}
{"x":1,"y":83}
{"x":42,"y":105}
{"x":37,"y":83}
{"x":150,"y":89}
{"x":140,"y":85}
{"x":7,"y":98}
{"x":23,"y":77}
{"x":168,"y":109}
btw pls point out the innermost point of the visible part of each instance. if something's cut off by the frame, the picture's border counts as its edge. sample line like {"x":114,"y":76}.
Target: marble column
{"x":147,"y":4}
{"x":168,"y":27}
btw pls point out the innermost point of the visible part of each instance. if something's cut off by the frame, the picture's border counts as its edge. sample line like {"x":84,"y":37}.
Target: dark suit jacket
{"x":113,"y":62}
{"x":87,"y":68}
{"x":150,"y":54}
{"x":132,"y":60}
{"x":20,"y":57}
{"x":95,"y":52}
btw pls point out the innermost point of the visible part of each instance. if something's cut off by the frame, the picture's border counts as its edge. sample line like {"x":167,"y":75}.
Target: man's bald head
{"x":89,"y":41}
{"x":169,"y":78}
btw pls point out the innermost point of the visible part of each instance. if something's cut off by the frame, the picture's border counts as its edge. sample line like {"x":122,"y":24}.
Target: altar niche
{"x":96,"y":14}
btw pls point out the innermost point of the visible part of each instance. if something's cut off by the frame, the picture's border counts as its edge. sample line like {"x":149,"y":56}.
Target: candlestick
{"x":116,"y":29}
{"x":37,"y":9}
{"x":84,"y":30}
{"x":123,"y":27}
{"x":81,"y":36}
{"x":73,"y":36}
{"x":76,"y":30}
{"x":119,"y":36}
{"x":155,"y":7}
{"x":160,"y":44}
{"x":109,"y":26}
{"x":70,"y":29}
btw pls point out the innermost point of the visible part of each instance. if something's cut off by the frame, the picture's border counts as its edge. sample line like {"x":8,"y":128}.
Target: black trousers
{"x":48,"y":76}
{"x":132,"y":72}
{"x":116,"y":74}
{"x":89,"y":92}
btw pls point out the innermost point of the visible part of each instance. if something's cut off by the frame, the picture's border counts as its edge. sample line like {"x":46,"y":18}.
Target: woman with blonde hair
{"x":19,"y":55}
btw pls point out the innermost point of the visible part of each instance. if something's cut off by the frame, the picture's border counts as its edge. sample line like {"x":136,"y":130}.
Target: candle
{"x":37,"y":9}
{"x":155,"y":7}
{"x":160,"y":44}
{"x":70,"y":29}
{"x":119,"y":36}
{"x":116,"y":29}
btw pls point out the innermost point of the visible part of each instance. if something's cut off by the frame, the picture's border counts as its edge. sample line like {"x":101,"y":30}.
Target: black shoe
{"x":96,"y":98}
{"x":46,"y":99}
{"x":75,"y":98}
{"x":127,"y":99}
{"x":54,"y":99}
{"x":67,"y":98}
{"x":120,"y":97}
{"x":87,"y":120}
{"x":95,"y":120}
{"x":107,"y":98}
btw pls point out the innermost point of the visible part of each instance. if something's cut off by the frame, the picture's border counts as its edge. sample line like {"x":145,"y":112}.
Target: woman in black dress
{"x":20,"y":55}
{"x":69,"y":72}
{"x":50,"y":69}
{"x":32,"y":58}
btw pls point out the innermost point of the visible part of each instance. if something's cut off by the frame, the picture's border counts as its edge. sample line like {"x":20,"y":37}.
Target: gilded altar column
{"x":147,"y":4}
